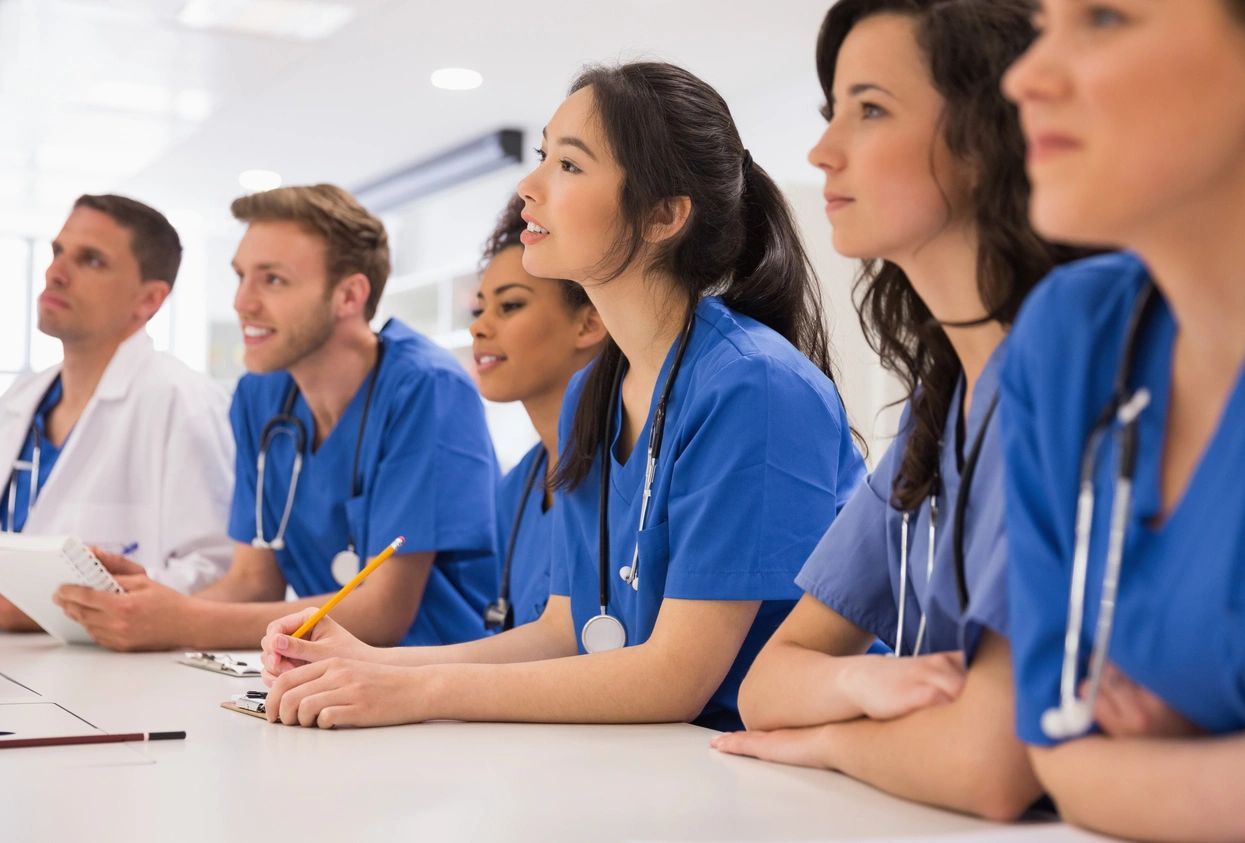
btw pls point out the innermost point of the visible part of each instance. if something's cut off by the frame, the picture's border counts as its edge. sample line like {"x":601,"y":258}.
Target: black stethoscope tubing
{"x":500,"y":613}
{"x":286,"y":420}
{"x":656,"y":433}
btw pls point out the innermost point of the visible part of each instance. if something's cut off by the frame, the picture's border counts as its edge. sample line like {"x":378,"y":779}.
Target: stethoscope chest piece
{"x":602,"y":633}
{"x":345,"y":565}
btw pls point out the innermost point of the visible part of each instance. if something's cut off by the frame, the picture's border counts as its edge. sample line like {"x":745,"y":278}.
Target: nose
{"x":481,"y":327}
{"x":528,"y":187}
{"x":1035,"y":75}
{"x":245,"y":302}
{"x":57,"y":274}
{"x":827,"y":154}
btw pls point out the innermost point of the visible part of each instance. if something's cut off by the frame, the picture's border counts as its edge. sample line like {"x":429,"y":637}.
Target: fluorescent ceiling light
{"x":448,"y":169}
{"x":303,"y":20}
{"x":456,"y":79}
{"x":257,"y":180}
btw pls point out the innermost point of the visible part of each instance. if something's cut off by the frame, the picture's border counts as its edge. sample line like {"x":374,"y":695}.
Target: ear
{"x":351,"y":294}
{"x":150,"y":298}
{"x":668,"y":219}
{"x":591,"y":331}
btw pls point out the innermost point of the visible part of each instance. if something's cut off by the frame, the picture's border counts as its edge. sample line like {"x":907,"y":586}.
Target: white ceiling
{"x":117,"y":95}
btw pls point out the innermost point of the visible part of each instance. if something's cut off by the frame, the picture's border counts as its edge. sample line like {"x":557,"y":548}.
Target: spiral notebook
{"x":33,"y":567}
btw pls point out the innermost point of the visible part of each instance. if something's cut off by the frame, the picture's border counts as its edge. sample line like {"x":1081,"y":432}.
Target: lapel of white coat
{"x":123,"y":370}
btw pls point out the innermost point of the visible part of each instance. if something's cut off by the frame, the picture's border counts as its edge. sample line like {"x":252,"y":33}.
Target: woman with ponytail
{"x":702,"y":454}
{"x":924,"y":166}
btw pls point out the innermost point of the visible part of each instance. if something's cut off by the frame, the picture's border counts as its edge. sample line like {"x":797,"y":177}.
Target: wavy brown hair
{"x":510,"y":225}
{"x":968,"y":44}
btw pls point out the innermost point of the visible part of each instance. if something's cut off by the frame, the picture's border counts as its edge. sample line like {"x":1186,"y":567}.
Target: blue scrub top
{"x":48,"y":454}
{"x":757,"y":459}
{"x":855,"y":568}
{"x":427,"y":472}
{"x":529,"y":571}
{"x":1180,"y":614}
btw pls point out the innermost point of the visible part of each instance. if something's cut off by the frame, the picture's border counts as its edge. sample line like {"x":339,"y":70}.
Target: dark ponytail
{"x":673,"y":135}
{"x":968,"y":44}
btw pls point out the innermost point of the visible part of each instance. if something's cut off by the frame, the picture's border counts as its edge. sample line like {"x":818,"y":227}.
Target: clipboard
{"x":246,"y":704}
{"x":240,"y":665}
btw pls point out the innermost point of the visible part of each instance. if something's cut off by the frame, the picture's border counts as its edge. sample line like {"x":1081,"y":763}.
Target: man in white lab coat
{"x":120,"y":445}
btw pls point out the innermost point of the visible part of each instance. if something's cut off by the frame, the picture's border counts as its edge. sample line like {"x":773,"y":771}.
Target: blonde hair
{"x":354,"y":239}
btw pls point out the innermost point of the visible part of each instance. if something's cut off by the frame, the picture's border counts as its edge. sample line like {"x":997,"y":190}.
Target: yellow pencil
{"x":311,"y":622}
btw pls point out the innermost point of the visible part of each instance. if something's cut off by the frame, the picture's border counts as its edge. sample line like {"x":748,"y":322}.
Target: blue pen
{"x":126,"y":550}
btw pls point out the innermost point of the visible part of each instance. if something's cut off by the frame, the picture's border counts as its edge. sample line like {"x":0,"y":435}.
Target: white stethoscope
{"x":345,"y":563}
{"x":957,"y":537}
{"x":1074,"y":715}
{"x":603,"y":631}
{"x":499,"y":615}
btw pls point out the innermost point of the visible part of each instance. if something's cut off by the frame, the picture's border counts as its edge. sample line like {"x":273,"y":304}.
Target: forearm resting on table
{"x":667,"y":679}
{"x":962,"y":754}
{"x":379,"y":612}
{"x":1149,"y":788}
{"x":795,"y":680}
{"x":550,"y":636}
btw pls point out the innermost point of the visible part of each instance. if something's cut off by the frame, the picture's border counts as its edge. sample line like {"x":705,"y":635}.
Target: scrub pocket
{"x":654,"y":543}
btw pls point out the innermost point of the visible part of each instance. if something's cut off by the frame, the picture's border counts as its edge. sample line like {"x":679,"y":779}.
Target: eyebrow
{"x":262,"y":266}
{"x":572,"y":141}
{"x":864,"y":87}
{"x":503,"y":288}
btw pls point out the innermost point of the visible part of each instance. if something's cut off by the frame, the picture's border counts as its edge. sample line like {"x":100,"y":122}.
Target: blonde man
{"x":345,"y":438}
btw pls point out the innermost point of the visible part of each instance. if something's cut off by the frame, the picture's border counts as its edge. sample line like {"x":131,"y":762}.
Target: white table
{"x":241,"y":779}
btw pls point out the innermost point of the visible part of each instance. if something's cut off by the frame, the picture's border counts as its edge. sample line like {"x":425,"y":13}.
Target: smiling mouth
{"x":485,"y":362}
{"x":254,"y":334}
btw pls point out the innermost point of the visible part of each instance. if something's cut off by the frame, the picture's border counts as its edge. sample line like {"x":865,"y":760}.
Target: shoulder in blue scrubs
{"x":757,"y":459}
{"x":426,"y":470}
{"x":529,"y":567}
{"x":20,"y":481}
{"x":855,"y":568}
{"x":1179,"y":626}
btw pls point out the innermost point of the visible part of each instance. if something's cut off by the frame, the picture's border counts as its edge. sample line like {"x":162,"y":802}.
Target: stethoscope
{"x":603,"y":631}
{"x":19,"y":465}
{"x":957,"y":536}
{"x":1074,"y":716}
{"x":499,"y":616}
{"x":31,"y":465}
{"x":346,"y":563}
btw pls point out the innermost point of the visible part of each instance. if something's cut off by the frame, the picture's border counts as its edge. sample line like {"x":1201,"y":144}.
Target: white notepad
{"x":33,"y":567}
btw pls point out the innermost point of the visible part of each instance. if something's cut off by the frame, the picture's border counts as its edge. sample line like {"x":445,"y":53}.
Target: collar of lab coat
{"x":122,"y":370}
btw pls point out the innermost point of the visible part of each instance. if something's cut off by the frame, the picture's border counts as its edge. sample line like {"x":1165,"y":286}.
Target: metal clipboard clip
{"x":230,"y":664}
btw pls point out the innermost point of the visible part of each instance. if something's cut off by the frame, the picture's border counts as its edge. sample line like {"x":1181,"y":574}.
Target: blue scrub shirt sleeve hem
{"x":692,"y":585}
{"x":868,"y":620}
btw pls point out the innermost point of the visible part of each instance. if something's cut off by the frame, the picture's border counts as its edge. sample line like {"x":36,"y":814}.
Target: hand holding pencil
{"x":310,"y":635}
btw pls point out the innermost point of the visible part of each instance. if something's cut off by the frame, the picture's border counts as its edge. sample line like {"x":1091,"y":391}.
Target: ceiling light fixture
{"x":456,"y":79}
{"x":257,"y":180}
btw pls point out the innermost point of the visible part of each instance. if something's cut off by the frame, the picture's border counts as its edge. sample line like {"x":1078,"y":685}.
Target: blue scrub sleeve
{"x":246,"y":440}
{"x":1037,"y":577}
{"x":988,"y":602}
{"x":754,"y":482}
{"x":436,"y":483}
{"x":849,"y":569}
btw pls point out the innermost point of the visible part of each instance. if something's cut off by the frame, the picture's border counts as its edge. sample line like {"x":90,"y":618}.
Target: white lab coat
{"x":150,"y":462}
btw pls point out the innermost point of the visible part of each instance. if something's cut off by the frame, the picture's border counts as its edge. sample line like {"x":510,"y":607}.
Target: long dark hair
{"x":968,"y":45}
{"x":673,"y":135}
{"x":510,"y":224}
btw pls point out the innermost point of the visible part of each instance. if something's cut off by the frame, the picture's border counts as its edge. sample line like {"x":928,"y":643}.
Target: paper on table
{"x":1032,"y":833}
{"x":13,"y":691}
{"x":49,"y":720}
